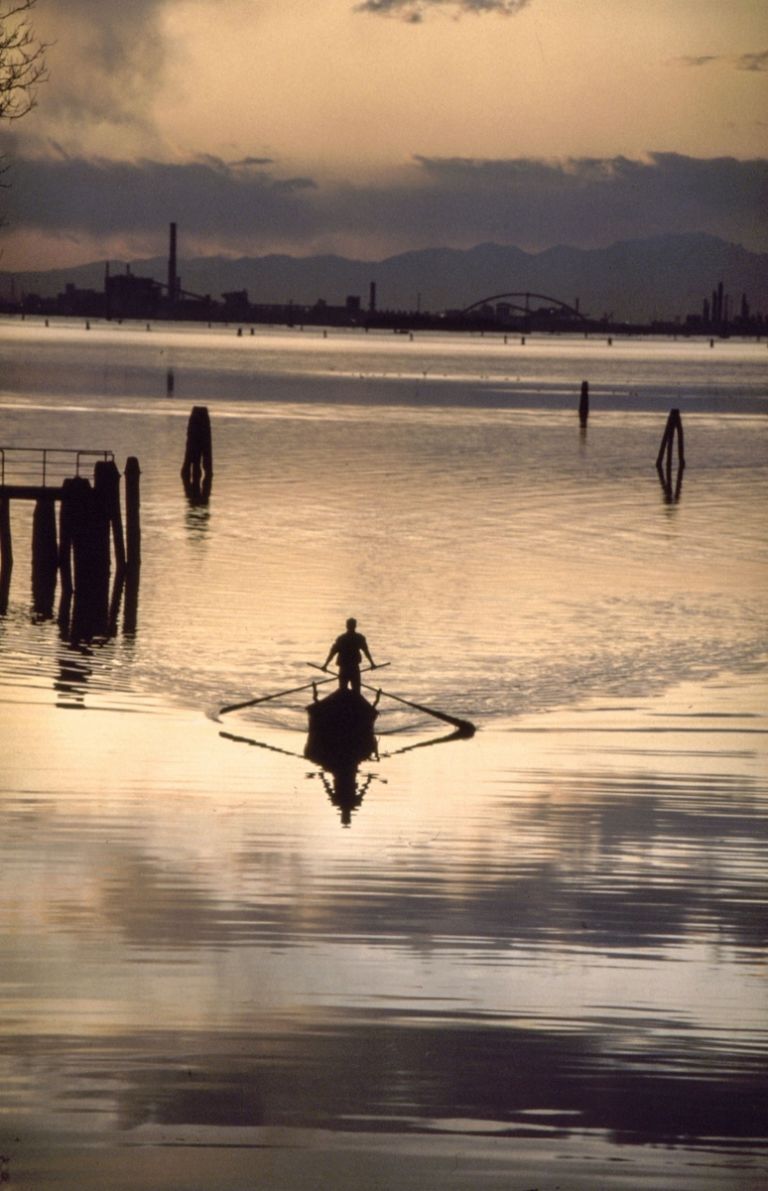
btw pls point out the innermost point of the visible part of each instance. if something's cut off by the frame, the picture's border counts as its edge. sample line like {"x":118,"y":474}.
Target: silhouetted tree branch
{"x":22,"y":60}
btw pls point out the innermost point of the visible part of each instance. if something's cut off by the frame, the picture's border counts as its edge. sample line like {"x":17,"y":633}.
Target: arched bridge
{"x":554,"y":305}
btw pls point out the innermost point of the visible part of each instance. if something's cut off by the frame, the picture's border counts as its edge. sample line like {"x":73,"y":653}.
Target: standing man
{"x":348,"y":648}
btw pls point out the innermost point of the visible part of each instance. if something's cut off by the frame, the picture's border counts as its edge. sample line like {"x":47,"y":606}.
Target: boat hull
{"x":340,"y":731}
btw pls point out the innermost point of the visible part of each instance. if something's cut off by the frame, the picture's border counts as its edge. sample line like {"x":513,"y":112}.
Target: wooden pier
{"x":90,"y":526}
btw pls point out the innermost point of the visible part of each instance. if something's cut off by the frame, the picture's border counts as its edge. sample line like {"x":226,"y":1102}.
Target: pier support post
{"x":107,"y":484}
{"x":132,"y":515}
{"x":584,"y":403}
{"x":65,"y":538}
{"x":197,"y":468}
{"x":6,"y":553}
{"x":45,"y":556}
{"x":100,"y":519}
{"x":89,"y":529}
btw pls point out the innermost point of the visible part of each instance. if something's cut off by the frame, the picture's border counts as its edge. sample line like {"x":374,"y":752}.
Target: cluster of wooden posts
{"x":81,"y":550}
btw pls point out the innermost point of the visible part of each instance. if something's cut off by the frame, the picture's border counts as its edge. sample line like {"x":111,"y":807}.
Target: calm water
{"x":535,"y":958}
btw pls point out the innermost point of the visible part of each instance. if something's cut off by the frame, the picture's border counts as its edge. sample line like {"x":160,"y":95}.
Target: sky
{"x":371,"y":127}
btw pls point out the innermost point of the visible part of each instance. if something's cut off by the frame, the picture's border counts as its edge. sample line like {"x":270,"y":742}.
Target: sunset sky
{"x":374,"y":127}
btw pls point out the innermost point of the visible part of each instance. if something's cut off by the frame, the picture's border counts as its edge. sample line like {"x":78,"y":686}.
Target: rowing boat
{"x":341,"y":731}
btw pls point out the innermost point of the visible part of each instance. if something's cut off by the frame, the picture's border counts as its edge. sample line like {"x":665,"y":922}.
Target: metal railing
{"x":46,"y":467}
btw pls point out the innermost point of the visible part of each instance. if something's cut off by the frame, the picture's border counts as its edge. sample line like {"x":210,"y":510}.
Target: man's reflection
{"x":344,"y":792}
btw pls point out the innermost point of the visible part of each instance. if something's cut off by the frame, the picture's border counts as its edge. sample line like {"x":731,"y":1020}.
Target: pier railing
{"x":46,"y":467}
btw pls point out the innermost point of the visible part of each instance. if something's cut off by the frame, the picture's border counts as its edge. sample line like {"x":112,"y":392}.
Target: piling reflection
{"x":71,"y":682}
{"x":92,"y":613}
{"x":198,"y":517}
{"x":671,"y":482}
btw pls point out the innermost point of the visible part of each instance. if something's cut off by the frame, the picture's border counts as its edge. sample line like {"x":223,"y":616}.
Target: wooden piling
{"x":45,"y":556}
{"x":6,"y":541}
{"x":89,"y":525}
{"x":6,"y":553}
{"x":107,"y":484}
{"x":132,"y":516}
{"x":672,"y":430}
{"x":65,"y":539}
{"x":131,"y":604}
{"x":584,"y":403}
{"x":100,"y":518}
{"x":197,"y":468}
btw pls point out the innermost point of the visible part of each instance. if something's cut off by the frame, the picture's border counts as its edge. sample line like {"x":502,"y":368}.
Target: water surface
{"x":532,"y":958}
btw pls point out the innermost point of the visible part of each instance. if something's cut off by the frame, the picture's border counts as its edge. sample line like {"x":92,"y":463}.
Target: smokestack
{"x":173,"y":283}
{"x":372,"y":298}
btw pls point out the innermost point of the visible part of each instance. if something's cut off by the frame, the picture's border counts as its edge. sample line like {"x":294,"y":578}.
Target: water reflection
{"x":547,"y":942}
{"x":340,"y":775}
{"x":75,"y":669}
{"x":456,"y":1072}
{"x":197,"y":518}
{"x":92,"y":612}
{"x":345,"y":791}
{"x":671,"y":481}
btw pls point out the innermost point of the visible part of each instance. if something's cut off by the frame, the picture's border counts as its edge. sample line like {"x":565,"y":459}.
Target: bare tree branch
{"x":22,"y":60}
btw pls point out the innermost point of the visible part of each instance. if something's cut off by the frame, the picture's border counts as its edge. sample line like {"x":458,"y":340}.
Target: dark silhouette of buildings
{"x":128,"y":296}
{"x":718,"y":316}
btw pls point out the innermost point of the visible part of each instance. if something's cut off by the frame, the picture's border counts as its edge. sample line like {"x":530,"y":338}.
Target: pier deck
{"x":38,"y":473}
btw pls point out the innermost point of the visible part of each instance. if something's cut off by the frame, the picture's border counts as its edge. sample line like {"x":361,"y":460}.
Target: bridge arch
{"x":556,"y":306}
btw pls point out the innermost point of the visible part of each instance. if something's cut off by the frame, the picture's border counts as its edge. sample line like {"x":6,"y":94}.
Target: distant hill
{"x":634,"y":280}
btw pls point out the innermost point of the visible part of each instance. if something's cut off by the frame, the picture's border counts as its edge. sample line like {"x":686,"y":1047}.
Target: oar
{"x":278,"y":695}
{"x":259,"y":744}
{"x":423,"y":744}
{"x":464,"y":726}
{"x":365,"y":670}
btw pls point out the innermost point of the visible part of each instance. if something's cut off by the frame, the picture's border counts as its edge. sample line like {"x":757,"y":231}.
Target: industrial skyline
{"x":127,"y":295}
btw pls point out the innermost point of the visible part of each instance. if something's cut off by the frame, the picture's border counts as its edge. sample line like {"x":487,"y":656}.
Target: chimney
{"x":372,"y":298}
{"x":173,"y":283}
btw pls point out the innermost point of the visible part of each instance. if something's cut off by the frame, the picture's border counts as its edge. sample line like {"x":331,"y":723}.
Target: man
{"x":348,"y":648}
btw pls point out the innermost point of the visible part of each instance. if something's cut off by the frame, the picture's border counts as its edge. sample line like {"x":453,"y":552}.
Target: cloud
{"x":755,"y":62}
{"x":105,"y":58}
{"x":459,"y":202}
{"x":415,"y":10}
{"x":697,"y":59}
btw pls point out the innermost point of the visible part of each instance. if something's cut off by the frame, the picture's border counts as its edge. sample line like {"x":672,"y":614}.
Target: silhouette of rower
{"x":348,"y":648}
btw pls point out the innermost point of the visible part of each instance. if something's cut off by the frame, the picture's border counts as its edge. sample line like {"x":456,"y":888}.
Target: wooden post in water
{"x":89,"y":529}
{"x":107,"y":484}
{"x":132,"y":516}
{"x":45,"y":555}
{"x":584,"y":403}
{"x":674,"y":428}
{"x":101,"y":520}
{"x":6,"y":541}
{"x":6,"y":553}
{"x":197,"y":468}
{"x":65,"y":538}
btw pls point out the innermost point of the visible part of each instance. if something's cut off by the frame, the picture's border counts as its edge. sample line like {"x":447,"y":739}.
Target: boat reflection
{"x":344,"y":790}
{"x":340,"y":739}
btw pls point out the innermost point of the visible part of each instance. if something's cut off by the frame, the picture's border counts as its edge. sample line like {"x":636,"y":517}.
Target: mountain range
{"x":634,"y":280}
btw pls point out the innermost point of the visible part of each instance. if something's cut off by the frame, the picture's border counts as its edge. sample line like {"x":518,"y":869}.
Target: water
{"x":532,"y":958}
